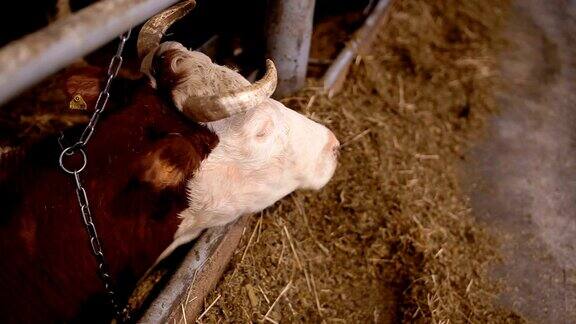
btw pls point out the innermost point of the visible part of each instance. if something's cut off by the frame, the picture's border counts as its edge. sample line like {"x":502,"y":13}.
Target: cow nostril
{"x":332,"y":147}
{"x":336,"y":150}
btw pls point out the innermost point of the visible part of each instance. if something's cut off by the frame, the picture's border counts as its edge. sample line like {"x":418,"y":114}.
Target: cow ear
{"x":82,"y":87}
{"x":170,"y":161}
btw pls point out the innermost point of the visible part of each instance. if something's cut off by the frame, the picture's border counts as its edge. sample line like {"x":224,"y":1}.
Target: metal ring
{"x":73,"y":148}
{"x":70,"y":151}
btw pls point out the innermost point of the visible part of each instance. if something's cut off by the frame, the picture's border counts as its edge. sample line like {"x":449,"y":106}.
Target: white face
{"x":262,"y":155}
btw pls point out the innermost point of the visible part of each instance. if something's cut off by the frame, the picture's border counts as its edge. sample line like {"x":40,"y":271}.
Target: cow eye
{"x":265,"y":128}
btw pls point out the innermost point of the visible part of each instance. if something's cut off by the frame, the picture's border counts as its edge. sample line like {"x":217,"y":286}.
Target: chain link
{"x":78,"y":148}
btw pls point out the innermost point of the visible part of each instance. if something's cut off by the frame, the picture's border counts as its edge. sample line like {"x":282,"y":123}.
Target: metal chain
{"x":79,"y":148}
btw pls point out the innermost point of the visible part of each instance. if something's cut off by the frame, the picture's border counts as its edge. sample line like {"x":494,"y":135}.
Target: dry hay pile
{"x":391,"y":237}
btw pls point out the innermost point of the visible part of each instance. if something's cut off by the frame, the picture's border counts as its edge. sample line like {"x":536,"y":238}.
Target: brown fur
{"x":138,"y":162}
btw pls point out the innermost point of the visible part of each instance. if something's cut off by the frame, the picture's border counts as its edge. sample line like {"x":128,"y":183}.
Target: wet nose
{"x":333,"y":145}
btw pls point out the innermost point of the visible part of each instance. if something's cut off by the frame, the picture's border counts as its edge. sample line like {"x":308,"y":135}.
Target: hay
{"x":391,"y":237}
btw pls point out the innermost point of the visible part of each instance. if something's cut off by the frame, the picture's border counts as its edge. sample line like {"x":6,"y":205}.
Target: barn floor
{"x":392,"y":237}
{"x":521,"y":177}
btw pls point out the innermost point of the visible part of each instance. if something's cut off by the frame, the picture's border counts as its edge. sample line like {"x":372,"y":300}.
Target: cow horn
{"x":153,"y":30}
{"x":216,"y":107}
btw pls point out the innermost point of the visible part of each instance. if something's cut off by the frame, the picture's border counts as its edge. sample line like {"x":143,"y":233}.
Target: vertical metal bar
{"x":289,"y":31}
{"x":27,"y":61}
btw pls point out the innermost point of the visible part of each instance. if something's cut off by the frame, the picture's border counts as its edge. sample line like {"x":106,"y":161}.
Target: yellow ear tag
{"x":78,"y":103}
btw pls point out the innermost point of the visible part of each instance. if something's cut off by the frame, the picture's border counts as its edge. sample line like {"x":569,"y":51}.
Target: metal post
{"x":289,"y":31}
{"x":27,"y":61}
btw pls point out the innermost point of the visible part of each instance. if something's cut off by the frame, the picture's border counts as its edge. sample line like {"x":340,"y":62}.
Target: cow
{"x":197,"y":146}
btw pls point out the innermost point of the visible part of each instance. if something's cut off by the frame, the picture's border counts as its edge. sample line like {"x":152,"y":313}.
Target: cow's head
{"x":265,"y":150}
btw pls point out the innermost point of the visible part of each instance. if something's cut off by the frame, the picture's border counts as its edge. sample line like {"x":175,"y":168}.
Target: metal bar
{"x":197,"y":276}
{"x":336,"y":74}
{"x":28,"y":60}
{"x":289,"y":32}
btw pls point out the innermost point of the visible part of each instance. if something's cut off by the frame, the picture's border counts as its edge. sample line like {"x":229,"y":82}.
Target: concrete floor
{"x":522,"y":177}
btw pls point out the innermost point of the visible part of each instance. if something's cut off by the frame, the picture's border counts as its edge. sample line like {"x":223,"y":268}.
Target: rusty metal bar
{"x":199,"y":273}
{"x":336,"y":74}
{"x":28,"y":60}
{"x":289,"y":32}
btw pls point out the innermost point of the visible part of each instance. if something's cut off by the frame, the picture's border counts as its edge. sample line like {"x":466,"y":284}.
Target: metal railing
{"x":27,"y":61}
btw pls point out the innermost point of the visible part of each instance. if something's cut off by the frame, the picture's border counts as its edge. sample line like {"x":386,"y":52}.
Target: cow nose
{"x":333,"y":145}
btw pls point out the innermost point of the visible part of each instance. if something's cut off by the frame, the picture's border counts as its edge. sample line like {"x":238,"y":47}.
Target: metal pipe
{"x":28,"y":60}
{"x":197,"y":276}
{"x":336,"y":74}
{"x":289,"y":32}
